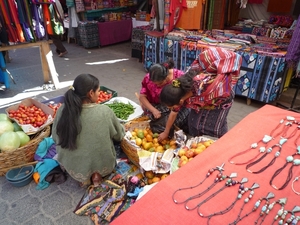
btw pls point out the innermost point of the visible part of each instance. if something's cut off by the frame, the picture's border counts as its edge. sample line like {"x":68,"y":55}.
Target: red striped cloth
{"x":219,"y":61}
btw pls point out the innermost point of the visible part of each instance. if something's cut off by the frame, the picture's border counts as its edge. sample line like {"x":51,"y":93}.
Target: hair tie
{"x":166,"y":65}
{"x":176,"y":83}
{"x":72,"y":88}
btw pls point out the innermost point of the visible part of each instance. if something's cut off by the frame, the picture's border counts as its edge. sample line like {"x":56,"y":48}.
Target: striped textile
{"x":219,"y":61}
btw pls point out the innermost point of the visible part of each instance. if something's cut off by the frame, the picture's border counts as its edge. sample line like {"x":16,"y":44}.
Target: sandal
{"x":96,"y":179}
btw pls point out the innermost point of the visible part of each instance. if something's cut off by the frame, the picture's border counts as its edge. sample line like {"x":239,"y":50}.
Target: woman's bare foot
{"x":96,"y":179}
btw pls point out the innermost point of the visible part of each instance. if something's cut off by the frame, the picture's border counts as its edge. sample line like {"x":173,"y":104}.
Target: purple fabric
{"x":51,"y":152}
{"x":114,"y":31}
{"x":293,"y":52}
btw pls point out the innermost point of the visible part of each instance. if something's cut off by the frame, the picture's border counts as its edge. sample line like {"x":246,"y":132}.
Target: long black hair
{"x":171,"y":94}
{"x":69,"y":124}
{"x":159,"y":72}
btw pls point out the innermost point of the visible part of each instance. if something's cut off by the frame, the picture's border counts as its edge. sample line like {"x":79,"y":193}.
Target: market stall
{"x":158,"y":206}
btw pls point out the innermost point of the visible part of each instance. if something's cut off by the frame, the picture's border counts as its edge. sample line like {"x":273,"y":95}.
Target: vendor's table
{"x":44,"y":52}
{"x":114,"y":31}
{"x":262,"y":76}
{"x":157,"y":207}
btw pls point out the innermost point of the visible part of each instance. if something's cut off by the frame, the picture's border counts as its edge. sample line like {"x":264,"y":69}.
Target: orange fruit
{"x":140,"y":176}
{"x":149,"y":174}
{"x":149,"y":181}
{"x":149,"y":138}
{"x":155,"y":179}
{"x":164,"y":176}
{"x":159,"y":149}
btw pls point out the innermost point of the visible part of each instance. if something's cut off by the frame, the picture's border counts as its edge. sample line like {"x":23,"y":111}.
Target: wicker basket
{"x":128,"y":148}
{"x":23,"y":155}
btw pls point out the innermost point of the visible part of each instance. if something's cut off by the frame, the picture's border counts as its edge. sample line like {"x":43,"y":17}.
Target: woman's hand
{"x":162,"y":136}
{"x":156,"y":113}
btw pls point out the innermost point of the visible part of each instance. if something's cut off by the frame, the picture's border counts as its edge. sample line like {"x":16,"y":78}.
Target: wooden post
{"x":44,"y":50}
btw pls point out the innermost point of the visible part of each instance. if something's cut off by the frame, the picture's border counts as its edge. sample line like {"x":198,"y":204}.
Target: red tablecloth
{"x":114,"y":32}
{"x":157,"y":206}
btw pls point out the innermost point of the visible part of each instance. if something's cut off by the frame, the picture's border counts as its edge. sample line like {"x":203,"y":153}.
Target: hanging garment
{"x":255,"y":1}
{"x":277,"y":6}
{"x":15,"y":19}
{"x":173,"y":11}
{"x":296,"y":11}
{"x":293,"y":52}
{"x":190,"y":18}
{"x":12,"y":32}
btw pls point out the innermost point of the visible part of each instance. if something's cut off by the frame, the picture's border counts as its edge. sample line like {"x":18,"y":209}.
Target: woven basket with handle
{"x":129,"y":148}
{"x":24,"y":155}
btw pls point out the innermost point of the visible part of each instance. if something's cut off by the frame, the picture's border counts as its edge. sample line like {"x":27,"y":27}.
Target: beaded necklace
{"x":256,"y":205}
{"x":293,"y":220}
{"x":219,"y":178}
{"x":289,"y":159}
{"x":229,"y":183}
{"x":277,"y":154}
{"x":265,"y":140}
{"x":263,"y":215}
{"x":281,"y":213}
{"x":296,"y":192}
{"x":242,"y":190}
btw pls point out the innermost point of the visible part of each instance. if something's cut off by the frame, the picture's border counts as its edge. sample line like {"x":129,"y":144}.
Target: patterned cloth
{"x":105,"y":202}
{"x":210,"y":122}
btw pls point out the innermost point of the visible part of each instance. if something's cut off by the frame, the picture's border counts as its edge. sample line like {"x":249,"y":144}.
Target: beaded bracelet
{"x":296,"y":192}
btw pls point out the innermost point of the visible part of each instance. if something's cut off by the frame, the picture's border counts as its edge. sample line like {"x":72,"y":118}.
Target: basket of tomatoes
{"x":32,"y":116}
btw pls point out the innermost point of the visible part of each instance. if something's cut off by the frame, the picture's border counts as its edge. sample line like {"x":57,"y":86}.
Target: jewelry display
{"x":219,"y":178}
{"x":281,"y":213}
{"x":265,"y":140}
{"x":263,"y":214}
{"x":256,"y":205}
{"x":229,"y":182}
{"x":242,"y":190}
{"x":296,"y":192}
{"x":277,"y":154}
{"x":289,"y":159}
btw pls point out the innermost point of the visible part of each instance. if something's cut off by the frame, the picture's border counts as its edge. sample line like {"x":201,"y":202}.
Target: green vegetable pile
{"x":122,"y":110}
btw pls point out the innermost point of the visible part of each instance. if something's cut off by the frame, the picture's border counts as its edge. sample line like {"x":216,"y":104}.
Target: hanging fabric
{"x":12,"y":33}
{"x":255,"y":1}
{"x":190,"y":18}
{"x":56,"y":20}
{"x":24,"y":18}
{"x":276,"y":6}
{"x":15,"y":19}
{"x":293,"y":51}
{"x":39,"y":28}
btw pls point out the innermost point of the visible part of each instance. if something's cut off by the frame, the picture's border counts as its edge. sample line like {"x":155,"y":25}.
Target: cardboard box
{"x":29,"y":129}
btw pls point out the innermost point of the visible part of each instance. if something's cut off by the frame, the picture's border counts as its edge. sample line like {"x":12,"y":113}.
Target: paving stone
{"x":39,"y":219}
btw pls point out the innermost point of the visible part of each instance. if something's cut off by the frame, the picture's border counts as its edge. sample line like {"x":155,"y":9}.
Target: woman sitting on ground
{"x":84,"y":132}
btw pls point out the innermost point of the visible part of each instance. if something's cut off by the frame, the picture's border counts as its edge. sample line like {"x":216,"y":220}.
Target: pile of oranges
{"x":147,"y":140}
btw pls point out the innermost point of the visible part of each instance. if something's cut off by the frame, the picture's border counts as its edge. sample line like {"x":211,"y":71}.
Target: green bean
{"x":122,"y":110}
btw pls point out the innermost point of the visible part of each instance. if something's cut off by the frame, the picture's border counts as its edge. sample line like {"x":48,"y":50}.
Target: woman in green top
{"x":84,"y":132}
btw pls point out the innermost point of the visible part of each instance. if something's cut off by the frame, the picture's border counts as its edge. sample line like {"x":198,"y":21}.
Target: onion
{"x":9,"y":141}
{"x":5,"y":126}
{"x":24,"y":138}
